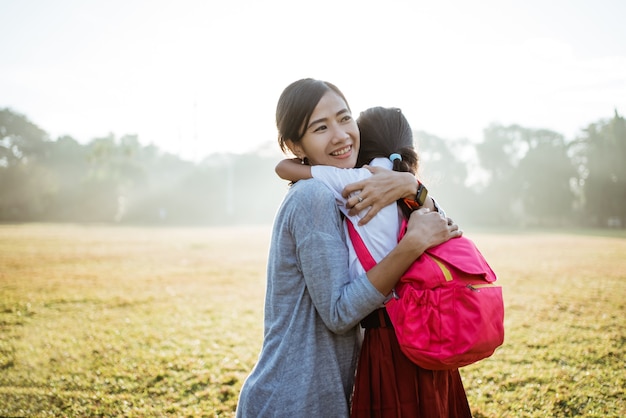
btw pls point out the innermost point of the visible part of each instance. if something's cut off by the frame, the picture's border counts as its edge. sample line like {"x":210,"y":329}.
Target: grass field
{"x":136,"y":322}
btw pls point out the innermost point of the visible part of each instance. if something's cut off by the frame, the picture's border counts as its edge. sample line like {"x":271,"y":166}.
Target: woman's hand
{"x":425,"y":229}
{"x":428,"y":229}
{"x":381,"y":189}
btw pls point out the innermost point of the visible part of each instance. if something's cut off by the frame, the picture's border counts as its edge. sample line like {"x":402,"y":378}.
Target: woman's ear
{"x":295,"y":149}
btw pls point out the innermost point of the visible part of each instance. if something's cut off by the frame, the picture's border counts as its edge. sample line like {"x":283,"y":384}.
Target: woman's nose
{"x":340,"y":134}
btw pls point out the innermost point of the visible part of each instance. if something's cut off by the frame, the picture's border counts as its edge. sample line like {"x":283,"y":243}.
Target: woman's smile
{"x":344,"y":152}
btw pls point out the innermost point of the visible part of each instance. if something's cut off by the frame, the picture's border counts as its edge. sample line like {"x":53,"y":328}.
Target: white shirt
{"x":380,"y":234}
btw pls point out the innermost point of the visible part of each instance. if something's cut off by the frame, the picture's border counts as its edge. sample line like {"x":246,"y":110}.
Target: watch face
{"x":422,"y":194}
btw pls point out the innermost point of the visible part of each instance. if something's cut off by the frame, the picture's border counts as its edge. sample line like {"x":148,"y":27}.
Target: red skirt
{"x":388,"y":384}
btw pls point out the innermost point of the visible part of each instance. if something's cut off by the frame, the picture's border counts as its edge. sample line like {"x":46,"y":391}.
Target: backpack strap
{"x":364,"y":255}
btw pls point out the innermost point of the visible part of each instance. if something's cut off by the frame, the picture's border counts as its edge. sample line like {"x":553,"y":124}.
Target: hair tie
{"x":395,"y":156}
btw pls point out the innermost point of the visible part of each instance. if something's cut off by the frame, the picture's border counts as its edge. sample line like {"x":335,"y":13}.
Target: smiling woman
{"x":312,"y":306}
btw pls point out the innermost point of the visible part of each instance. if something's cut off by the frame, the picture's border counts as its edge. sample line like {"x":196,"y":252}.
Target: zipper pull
{"x":472,"y":288}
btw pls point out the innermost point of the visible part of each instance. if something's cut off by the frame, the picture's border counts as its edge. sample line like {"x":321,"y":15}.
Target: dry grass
{"x":120,"y":321}
{"x":128,"y":321}
{"x":564,"y":351}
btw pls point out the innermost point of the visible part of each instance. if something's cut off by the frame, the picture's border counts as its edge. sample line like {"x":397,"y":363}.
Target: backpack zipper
{"x":477,"y":287}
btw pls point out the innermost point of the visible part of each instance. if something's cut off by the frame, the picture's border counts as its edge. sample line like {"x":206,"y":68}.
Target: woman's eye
{"x":320,"y":128}
{"x":346,"y":118}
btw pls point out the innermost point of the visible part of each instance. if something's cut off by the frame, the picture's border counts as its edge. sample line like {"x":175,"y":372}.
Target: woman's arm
{"x":381,"y":189}
{"x":316,"y":233}
{"x":293,"y":170}
{"x":425,"y":229}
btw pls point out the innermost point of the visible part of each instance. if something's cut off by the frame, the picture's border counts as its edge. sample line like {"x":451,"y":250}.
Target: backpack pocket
{"x":450,"y":326}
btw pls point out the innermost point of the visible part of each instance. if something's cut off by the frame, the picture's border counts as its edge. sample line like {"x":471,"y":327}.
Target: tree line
{"x":514,"y":176}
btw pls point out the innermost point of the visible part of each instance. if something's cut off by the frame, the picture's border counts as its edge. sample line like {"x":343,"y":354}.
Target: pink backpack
{"x":448,"y":312}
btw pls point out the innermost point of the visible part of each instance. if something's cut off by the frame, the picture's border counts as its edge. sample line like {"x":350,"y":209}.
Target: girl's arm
{"x":293,"y":170}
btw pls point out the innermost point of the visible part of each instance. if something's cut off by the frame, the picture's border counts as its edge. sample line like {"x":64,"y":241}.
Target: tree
{"x":546,"y":174}
{"x":446,"y":175}
{"x":499,"y":155}
{"x":602,"y":151}
{"x":20,"y":139}
{"x":68,"y":165}
{"x":25,"y":184}
{"x":531,"y":175}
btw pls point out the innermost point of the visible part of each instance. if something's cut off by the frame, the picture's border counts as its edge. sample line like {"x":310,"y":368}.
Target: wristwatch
{"x":420,"y":197}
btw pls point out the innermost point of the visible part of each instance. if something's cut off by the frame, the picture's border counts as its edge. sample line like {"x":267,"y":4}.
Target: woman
{"x":312,"y":308}
{"x":387,"y":383}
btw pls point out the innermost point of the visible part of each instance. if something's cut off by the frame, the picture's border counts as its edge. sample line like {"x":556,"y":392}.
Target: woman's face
{"x":332,"y":136}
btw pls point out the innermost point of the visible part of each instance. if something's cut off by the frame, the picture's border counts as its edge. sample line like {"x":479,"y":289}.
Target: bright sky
{"x":197,"y":77}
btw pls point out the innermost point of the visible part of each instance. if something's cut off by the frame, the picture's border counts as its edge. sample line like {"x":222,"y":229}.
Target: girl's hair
{"x":296,"y":105}
{"x":385,"y":131}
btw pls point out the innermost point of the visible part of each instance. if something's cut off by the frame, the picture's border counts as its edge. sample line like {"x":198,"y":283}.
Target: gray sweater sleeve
{"x":322,"y":255}
{"x":312,"y":306}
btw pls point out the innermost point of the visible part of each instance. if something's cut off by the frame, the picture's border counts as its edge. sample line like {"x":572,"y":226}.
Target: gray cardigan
{"x":312,"y":309}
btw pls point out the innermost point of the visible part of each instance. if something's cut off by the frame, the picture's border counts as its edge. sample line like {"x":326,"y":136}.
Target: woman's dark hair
{"x":385,"y":131}
{"x":296,"y":105}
